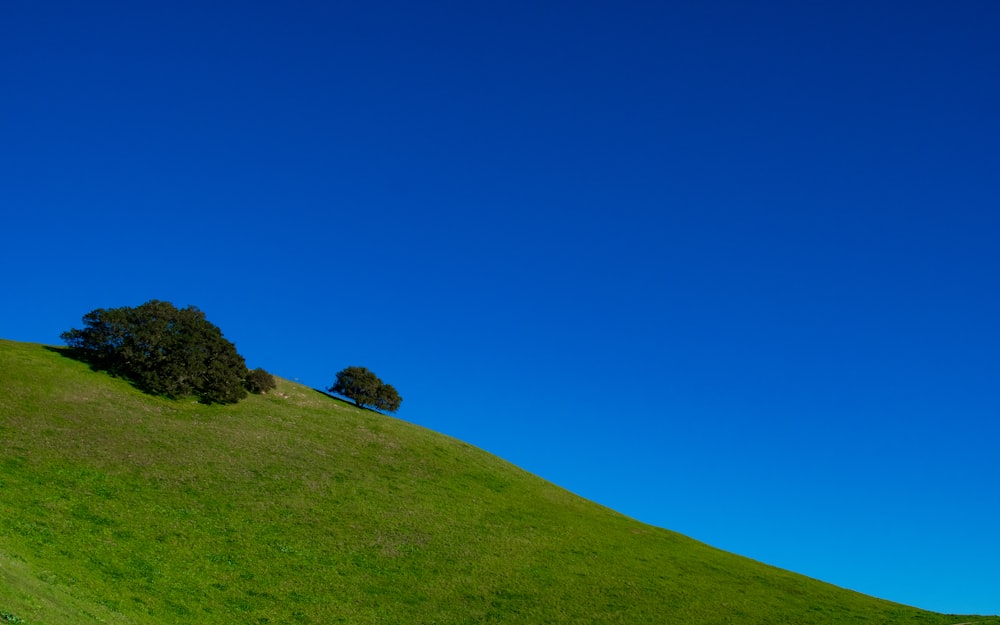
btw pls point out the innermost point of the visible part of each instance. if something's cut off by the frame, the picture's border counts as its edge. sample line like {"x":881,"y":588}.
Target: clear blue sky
{"x":729,"y":268}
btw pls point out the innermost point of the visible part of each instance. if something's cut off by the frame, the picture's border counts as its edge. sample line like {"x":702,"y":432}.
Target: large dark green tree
{"x":365,"y":389}
{"x":163,"y":350}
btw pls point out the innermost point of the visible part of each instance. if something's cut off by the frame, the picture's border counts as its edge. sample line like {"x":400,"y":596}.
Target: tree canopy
{"x":259,"y":381}
{"x":162,"y":350}
{"x":365,"y":389}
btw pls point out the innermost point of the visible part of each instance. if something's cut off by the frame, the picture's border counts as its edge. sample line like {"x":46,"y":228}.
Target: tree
{"x":259,"y":381}
{"x":163,"y":350}
{"x":365,"y":389}
{"x":388,"y":398}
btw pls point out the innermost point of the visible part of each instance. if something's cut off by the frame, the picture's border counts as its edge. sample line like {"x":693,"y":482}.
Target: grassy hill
{"x":117,"y":507}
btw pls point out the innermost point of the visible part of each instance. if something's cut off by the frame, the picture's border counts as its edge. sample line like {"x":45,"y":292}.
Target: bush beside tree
{"x":259,"y":381}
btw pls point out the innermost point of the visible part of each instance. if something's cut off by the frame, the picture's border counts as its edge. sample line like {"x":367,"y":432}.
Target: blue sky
{"x":729,"y":268}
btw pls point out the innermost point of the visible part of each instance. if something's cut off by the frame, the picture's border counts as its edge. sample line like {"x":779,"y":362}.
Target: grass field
{"x":293,"y":507}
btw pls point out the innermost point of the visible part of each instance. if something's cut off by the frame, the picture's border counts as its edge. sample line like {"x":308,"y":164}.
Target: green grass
{"x":293,"y":507}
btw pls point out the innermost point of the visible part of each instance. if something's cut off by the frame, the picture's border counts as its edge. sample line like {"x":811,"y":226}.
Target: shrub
{"x":7,"y":617}
{"x":259,"y":381}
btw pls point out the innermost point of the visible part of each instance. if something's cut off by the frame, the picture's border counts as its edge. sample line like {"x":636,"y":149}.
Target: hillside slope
{"x":117,"y":507}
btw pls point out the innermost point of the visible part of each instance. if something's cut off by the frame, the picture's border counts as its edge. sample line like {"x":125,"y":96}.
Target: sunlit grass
{"x":293,"y":507}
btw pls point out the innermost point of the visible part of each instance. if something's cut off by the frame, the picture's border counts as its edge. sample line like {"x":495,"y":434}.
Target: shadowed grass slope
{"x":293,"y":507}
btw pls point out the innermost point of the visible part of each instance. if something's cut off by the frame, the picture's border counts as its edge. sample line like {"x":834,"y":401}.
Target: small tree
{"x":259,"y":381}
{"x":365,"y":389}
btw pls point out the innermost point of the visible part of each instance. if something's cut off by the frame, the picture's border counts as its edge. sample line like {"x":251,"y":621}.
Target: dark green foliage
{"x":365,"y":389}
{"x":387,"y":399}
{"x":259,"y":381}
{"x":163,"y":350}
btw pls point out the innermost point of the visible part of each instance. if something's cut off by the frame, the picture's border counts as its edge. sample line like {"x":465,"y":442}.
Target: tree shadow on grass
{"x":82,"y":356}
{"x":340,"y":399}
{"x":95,"y":366}
{"x":73,"y":354}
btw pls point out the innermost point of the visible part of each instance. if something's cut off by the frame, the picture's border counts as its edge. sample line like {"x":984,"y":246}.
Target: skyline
{"x":728,"y":270}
